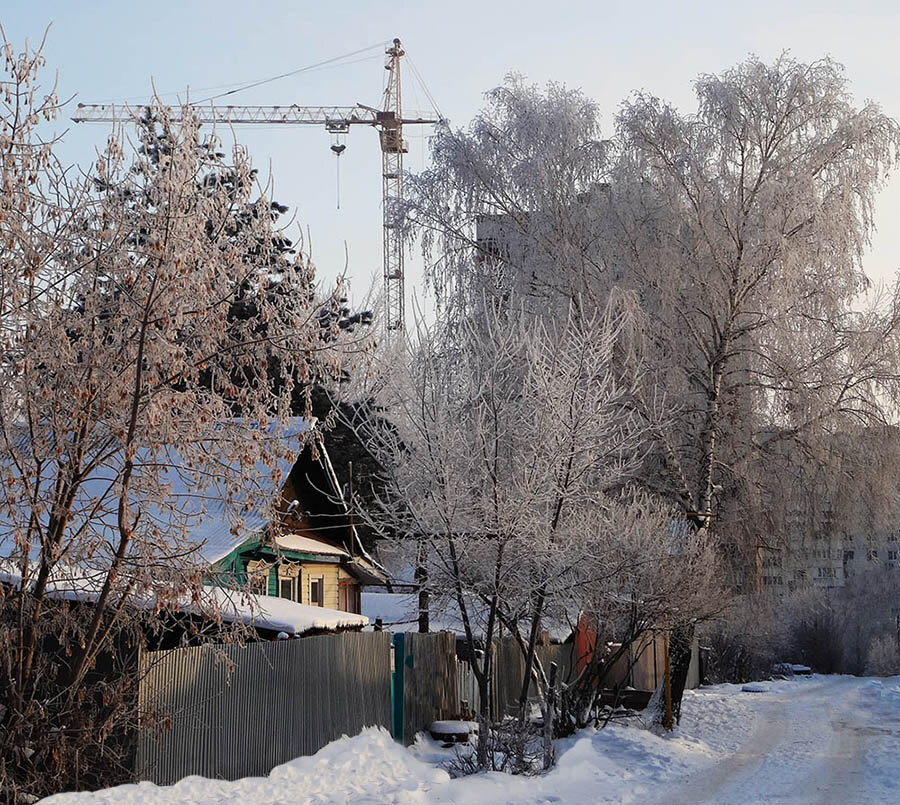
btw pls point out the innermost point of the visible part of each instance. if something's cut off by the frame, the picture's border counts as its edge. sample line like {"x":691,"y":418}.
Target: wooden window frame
{"x":258,"y":575}
{"x":321,"y":582}
{"x":289,"y":572}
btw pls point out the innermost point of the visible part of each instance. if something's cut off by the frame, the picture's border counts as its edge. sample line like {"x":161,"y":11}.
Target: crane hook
{"x":338,"y":149}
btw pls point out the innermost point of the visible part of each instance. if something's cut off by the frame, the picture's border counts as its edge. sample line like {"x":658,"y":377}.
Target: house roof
{"x":217,"y":523}
{"x":304,"y":544}
{"x":362,"y":567}
{"x":281,"y":615}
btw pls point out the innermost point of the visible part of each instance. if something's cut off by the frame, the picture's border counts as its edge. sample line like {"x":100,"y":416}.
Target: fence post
{"x":398,"y":657}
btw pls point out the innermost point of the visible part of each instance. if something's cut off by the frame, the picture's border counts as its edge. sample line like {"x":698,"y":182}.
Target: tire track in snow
{"x":798,"y":751}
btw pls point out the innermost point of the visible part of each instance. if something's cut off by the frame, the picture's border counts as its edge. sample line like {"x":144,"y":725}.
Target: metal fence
{"x":510,"y":671}
{"x":236,"y":711}
{"x":467,"y":692}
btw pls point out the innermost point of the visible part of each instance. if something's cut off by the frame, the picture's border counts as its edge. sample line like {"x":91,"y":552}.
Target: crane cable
{"x":424,"y":86}
{"x":289,"y":73}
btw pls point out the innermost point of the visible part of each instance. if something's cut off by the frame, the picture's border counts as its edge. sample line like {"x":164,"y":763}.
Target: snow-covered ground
{"x":807,"y":740}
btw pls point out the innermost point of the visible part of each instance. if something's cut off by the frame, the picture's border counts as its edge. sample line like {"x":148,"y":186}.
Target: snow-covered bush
{"x":883,"y":657}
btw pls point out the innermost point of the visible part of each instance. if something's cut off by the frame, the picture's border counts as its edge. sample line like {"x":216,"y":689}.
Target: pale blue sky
{"x":111,"y":50}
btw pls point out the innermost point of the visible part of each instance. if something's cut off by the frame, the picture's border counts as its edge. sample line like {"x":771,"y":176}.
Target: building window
{"x":892,"y":556}
{"x":317,"y":592}
{"x":288,"y":581}
{"x":258,"y":577}
{"x":871,"y":554}
{"x":348,"y":596}
{"x":287,"y":588}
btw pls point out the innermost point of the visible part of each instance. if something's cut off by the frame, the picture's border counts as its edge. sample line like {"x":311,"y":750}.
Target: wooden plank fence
{"x":430,"y":684}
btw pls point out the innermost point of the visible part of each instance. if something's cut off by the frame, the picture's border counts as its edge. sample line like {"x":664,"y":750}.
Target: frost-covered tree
{"x":509,"y":467}
{"x":504,"y":208}
{"x":741,"y":227}
{"x":123,"y":376}
{"x":744,"y":226}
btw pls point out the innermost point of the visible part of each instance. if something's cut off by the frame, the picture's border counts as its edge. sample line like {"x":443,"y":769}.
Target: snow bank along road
{"x":815,"y":740}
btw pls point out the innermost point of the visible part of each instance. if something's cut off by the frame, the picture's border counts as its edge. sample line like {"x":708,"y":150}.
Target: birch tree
{"x":741,"y":227}
{"x":744,"y":224}
{"x":121,"y":368}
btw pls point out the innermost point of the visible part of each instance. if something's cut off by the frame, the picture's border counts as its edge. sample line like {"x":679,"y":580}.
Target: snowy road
{"x":820,"y":743}
{"x":815,"y":740}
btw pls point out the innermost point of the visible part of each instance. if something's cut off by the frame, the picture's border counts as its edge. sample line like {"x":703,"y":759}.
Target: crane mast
{"x":392,"y":150}
{"x":388,"y":121}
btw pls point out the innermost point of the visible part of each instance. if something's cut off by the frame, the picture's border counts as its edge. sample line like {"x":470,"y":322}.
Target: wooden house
{"x":309,"y":552}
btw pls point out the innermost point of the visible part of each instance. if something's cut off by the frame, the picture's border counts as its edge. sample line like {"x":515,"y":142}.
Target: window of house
{"x":258,"y":583}
{"x":258,"y":577}
{"x":287,"y":588}
{"x":892,"y":555}
{"x":289,"y":581}
{"x":348,"y":596}
{"x":317,"y":592}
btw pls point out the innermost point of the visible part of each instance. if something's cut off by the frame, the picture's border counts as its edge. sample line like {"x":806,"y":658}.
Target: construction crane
{"x":337,"y":120}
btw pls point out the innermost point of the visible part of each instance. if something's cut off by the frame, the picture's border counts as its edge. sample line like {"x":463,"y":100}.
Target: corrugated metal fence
{"x":510,"y":671}
{"x":235,"y":711}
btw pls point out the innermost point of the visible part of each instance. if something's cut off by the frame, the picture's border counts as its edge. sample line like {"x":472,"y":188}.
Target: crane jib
{"x":309,"y":115}
{"x":389,"y":122}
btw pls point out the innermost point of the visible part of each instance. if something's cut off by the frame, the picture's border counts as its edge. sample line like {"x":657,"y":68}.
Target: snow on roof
{"x":215,"y":529}
{"x":281,"y":615}
{"x":260,"y":611}
{"x":216,"y":526}
{"x":304,"y":544}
